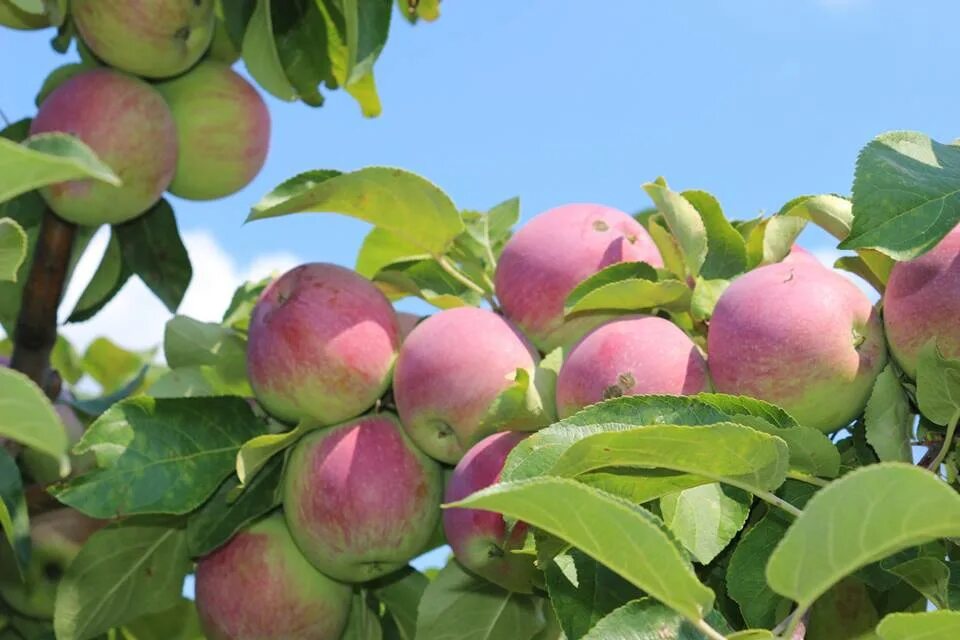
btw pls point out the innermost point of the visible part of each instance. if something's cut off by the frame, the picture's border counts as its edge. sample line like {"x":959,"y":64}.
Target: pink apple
{"x":223,"y":129}
{"x":800,"y":336}
{"x":152,"y":38}
{"x":480,"y":539}
{"x":550,"y":255}
{"x":451,"y":369}
{"x":323,"y":341}
{"x":922,"y":302}
{"x":259,"y":585}
{"x":360,"y":499}
{"x":127,"y":123}
{"x":634,"y":355}
{"x":406,"y":322}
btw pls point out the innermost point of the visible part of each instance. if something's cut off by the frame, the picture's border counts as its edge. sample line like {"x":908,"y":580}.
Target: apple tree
{"x":666,"y":424}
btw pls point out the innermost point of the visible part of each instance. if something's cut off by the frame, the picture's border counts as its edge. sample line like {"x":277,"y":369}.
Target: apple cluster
{"x":401,"y":409}
{"x":161,"y":107}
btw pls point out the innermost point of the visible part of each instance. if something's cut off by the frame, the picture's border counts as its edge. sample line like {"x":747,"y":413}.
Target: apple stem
{"x":806,"y":477}
{"x":35,"y":333}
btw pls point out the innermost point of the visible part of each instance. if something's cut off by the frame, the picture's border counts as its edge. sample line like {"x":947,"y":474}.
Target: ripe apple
{"x":152,"y":38}
{"x":922,"y":302}
{"x":56,"y":538}
{"x":547,"y":258}
{"x":129,"y":126}
{"x":360,"y":499}
{"x":223,"y":130}
{"x":634,"y":355}
{"x":451,"y":369}
{"x":323,"y":341}
{"x":259,"y":585}
{"x":406,"y":322}
{"x":16,"y":18}
{"x":479,"y":539}
{"x":800,"y":336}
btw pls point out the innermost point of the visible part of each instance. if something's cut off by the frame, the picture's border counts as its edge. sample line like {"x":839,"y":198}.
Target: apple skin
{"x":322,"y":344}
{"x":406,"y":322}
{"x":16,"y":18}
{"x":550,"y":255}
{"x":259,"y":585}
{"x":151,"y":38}
{"x":922,"y":302}
{"x":634,"y":355}
{"x":56,"y":538}
{"x":129,"y":126}
{"x":799,"y":336}
{"x":223,"y":131}
{"x":360,"y":499}
{"x":479,"y":538}
{"x":451,"y":369}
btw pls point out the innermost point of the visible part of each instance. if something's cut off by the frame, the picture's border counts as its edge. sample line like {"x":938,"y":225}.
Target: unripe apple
{"x":634,"y":355}
{"x":480,"y":539}
{"x":451,"y":369}
{"x":800,"y":336}
{"x":152,"y":38}
{"x":129,"y":126}
{"x":323,"y":341}
{"x":922,"y":302}
{"x":223,"y":131}
{"x":16,"y":18}
{"x":550,"y":255}
{"x":360,"y":499}
{"x":259,"y":585}
{"x":56,"y":538}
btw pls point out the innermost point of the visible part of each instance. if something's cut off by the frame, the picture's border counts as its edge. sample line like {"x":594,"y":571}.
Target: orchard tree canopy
{"x":669,"y":424}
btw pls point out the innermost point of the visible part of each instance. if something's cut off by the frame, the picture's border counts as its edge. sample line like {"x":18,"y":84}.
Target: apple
{"x":633,"y":355}
{"x":406,"y":322}
{"x":258,"y":585}
{"x":800,"y":336}
{"x":480,"y":539}
{"x":922,"y":303}
{"x":223,"y":131}
{"x":360,"y":499}
{"x":16,"y":18}
{"x":451,"y":369}
{"x":151,"y":38}
{"x":322,"y":344}
{"x":56,"y":538}
{"x":129,"y":126}
{"x":548,"y":257}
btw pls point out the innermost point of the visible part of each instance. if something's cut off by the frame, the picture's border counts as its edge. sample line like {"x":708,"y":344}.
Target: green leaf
{"x":191,"y":382}
{"x":107,"y":281}
{"x":898,"y":506}
{"x":938,"y":385}
{"x":180,"y":622}
{"x":237,"y":315}
{"x":458,"y":606}
{"x":13,"y":510}
{"x":667,"y":245}
{"x":857,"y":266}
{"x":906,"y":195}
{"x":632,"y":542}
{"x":191,"y":343}
{"x":831,"y":213}
{"x":519,"y":407}
{"x":684,"y":222}
{"x":393,"y":199}
{"x":582,"y":591}
{"x":120,"y":574}
{"x":845,"y":611}
{"x":726,"y":251}
{"x":400,"y":592}
{"x":219,"y":518}
{"x":811,"y":451}
{"x":300,"y":37}
{"x":112,"y":365}
{"x":259,"y":52}
{"x":931,"y":625}
{"x":45,"y":159}
{"x":929,"y":576}
{"x":646,"y":619}
{"x":65,"y":359}
{"x":162,"y":456}
{"x":96,"y":406}
{"x":382,"y":248}
{"x":706,"y":519}
{"x":152,"y":249}
{"x":486,"y":233}
{"x":779,"y":234}
{"x":27,"y":417}
{"x":705,"y":296}
{"x":13,"y":248}
{"x":426,"y":279}
{"x":888,"y":418}
{"x":625,"y":286}
{"x":363,"y":622}
{"x":723,"y":452}
{"x":255,"y":453}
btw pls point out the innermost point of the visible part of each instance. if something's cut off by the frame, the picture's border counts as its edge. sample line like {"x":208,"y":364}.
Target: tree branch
{"x":35,"y":333}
